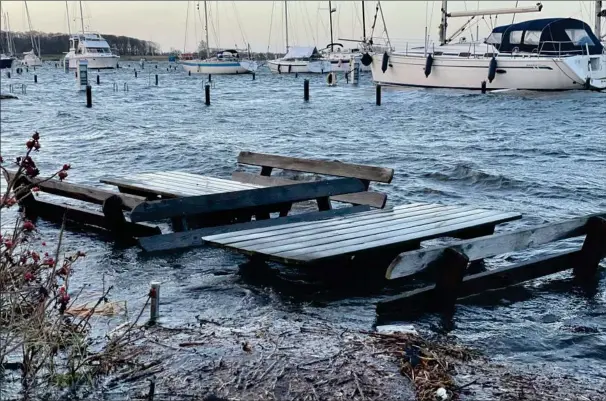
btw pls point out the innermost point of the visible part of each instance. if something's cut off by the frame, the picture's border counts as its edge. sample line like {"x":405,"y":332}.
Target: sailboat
{"x":32,"y":57}
{"x":298,"y":60}
{"x":224,"y":62}
{"x":92,"y":47}
{"x":540,"y":54}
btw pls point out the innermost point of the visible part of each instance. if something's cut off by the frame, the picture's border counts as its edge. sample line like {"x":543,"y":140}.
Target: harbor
{"x":269,"y":225}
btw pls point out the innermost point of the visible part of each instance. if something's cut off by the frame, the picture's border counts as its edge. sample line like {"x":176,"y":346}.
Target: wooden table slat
{"x":195,"y":180}
{"x":185,"y":185}
{"x":355,"y":236}
{"x":293,"y":228}
{"x":351,"y":225}
{"x":418,"y":236}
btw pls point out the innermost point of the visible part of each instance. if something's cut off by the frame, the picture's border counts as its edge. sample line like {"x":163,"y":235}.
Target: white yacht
{"x":90,"y":46}
{"x":300,"y":60}
{"x":30,"y":59}
{"x":225,"y":62}
{"x":541,"y":54}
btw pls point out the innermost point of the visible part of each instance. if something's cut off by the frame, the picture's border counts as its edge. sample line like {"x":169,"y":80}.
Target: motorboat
{"x":224,"y":62}
{"x":93,"y":48}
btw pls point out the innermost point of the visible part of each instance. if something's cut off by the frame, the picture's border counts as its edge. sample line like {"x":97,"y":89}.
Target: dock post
{"x":207,"y":94}
{"x":189,"y":73}
{"x":135,"y":73}
{"x":154,"y":295}
{"x":35,"y":78}
{"x":253,"y":74}
{"x":210,"y":78}
{"x":98,"y":79}
{"x":593,"y":250}
{"x":378,"y":89}
{"x":483,"y":86}
{"x":8,"y":74}
{"x":449,"y":276}
{"x":26,"y":69}
{"x":306,"y":90}
{"x":156,"y":79}
{"x":89,"y":96}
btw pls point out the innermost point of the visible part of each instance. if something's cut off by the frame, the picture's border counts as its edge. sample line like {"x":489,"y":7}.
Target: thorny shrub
{"x":38,"y":336}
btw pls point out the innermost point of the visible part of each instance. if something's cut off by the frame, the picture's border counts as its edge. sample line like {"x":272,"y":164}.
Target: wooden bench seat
{"x":113,"y":203}
{"x":449,"y":263}
{"x":268,"y":163}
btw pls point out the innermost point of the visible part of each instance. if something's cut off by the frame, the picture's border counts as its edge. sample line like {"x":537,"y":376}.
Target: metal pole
{"x":378,"y":94}
{"x":154,"y":295}
{"x":206,"y":29}
{"x":306,"y":90}
{"x":89,"y":96}
{"x":81,"y":17}
{"x":443,"y":23}
{"x":598,"y":19}
{"x":207,"y":94}
{"x":363,"y":23}
{"x":384,"y":26}
{"x":286,"y":22}
{"x":330,"y":18}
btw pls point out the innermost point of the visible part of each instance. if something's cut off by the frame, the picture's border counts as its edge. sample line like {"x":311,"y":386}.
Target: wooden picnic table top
{"x":174,"y":184}
{"x":344,"y":236}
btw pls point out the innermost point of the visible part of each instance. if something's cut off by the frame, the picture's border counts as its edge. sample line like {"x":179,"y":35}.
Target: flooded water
{"x":541,"y":154}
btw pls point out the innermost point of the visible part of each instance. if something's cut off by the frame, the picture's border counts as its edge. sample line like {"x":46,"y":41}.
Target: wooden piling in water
{"x":156,"y":79}
{"x":378,"y":95}
{"x":89,"y":96}
{"x":154,"y":295}
{"x":35,"y":78}
{"x":593,"y":250}
{"x":135,"y":73}
{"x":207,"y":94}
{"x":483,"y":86}
{"x":306,"y":90}
{"x":210,"y":78}
{"x":98,"y":79}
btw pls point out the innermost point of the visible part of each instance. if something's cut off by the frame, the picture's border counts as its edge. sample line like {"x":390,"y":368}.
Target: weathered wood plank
{"x":594,"y":248}
{"x":79,"y":192}
{"x":195,"y":180}
{"x":340,"y":230}
{"x":363,"y":172}
{"x":359,"y":220}
{"x":195,"y":238}
{"x":54,"y":212}
{"x":246,"y":199}
{"x":374,"y":199}
{"x":477,"y":283}
{"x":353,"y":247}
{"x":413,"y":262}
{"x":451,"y":270}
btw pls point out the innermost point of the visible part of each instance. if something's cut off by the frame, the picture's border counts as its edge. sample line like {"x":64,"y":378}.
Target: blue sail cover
{"x":548,"y":36}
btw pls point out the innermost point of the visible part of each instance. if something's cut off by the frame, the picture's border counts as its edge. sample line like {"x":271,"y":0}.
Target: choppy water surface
{"x":542,"y":154}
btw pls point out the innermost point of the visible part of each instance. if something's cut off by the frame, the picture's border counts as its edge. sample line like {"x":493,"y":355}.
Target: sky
{"x":180,"y":24}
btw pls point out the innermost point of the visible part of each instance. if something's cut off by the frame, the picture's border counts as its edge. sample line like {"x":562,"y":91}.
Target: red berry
{"x":44,"y":244}
{"x":28,"y":225}
{"x":66,"y":167}
{"x":8,"y":244}
{"x":37,"y":145}
{"x":30,"y":144}
{"x":29,"y":276}
{"x":36,"y":189}
{"x":62,"y":175}
{"x":35,"y":256}
{"x":36,"y":136}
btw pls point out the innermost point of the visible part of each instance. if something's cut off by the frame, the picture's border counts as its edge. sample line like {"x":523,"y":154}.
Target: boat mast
{"x":206,"y":29}
{"x":444,"y":22}
{"x":69,"y":25}
{"x":81,"y":17}
{"x":286,"y":22}
{"x":31,"y":35}
{"x":9,"y":39}
{"x":330,"y":18}
{"x":363,"y":23}
{"x":598,"y":18}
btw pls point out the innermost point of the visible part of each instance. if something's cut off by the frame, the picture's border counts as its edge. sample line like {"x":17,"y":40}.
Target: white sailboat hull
{"x":31,"y":60}
{"x":299,"y":66}
{"x":94,"y":62}
{"x":525,"y":73}
{"x":216,"y":67}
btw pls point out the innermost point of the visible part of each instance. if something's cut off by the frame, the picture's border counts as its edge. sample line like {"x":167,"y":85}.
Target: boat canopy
{"x":301,"y":52}
{"x":548,"y":35}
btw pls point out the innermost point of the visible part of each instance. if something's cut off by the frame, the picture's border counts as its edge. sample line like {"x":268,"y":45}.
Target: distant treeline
{"x":57,"y":43}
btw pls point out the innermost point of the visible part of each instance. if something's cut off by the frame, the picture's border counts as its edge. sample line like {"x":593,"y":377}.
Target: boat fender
{"x":492,"y":69}
{"x":331,"y":79}
{"x":289,"y":68}
{"x":366,"y":59}
{"x":428,"y":65}
{"x":385,"y":62}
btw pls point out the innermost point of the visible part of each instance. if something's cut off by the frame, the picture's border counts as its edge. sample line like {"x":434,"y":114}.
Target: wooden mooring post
{"x":154,"y":295}
{"x":378,"y":94}
{"x":207,"y":94}
{"x":89,"y":96}
{"x":156,"y":79}
{"x":35,"y":78}
{"x":98,"y":79}
{"x":593,"y":250}
{"x":135,"y":73}
{"x":306,"y":90}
